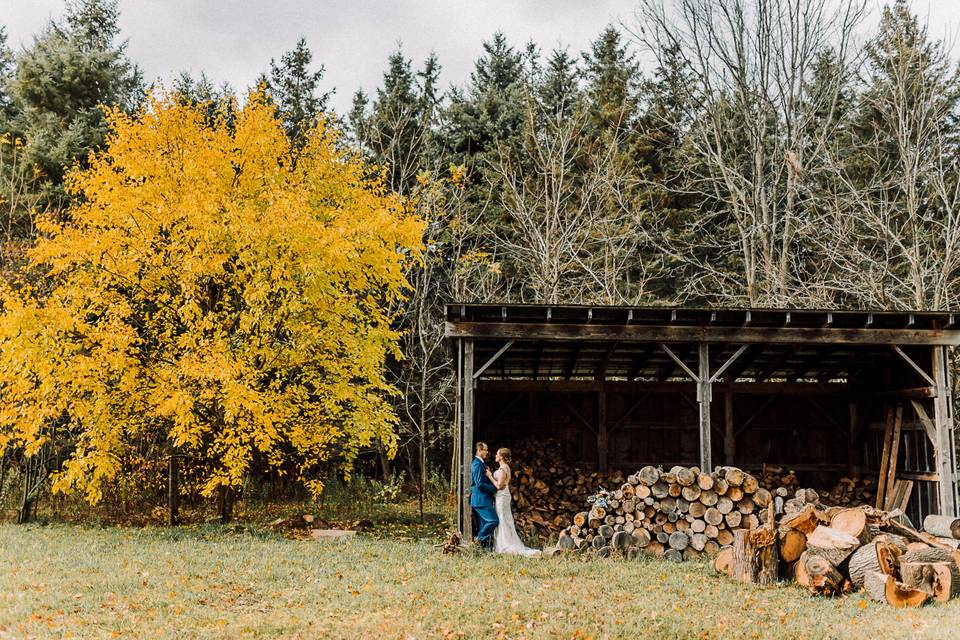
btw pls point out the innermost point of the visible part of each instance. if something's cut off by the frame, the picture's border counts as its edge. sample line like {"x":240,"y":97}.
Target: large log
{"x":862,"y":562}
{"x":754,"y":558}
{"x":885,"y":588}
{"x":723,"y":563}
{"x":939,"y":579}
{"x":942,"y":526}
{"x":792,"y":544}
{"x":824,"y":577}
{"x":830,"y":544}
{"x":806,"y":520}
{"x":853,"y":522}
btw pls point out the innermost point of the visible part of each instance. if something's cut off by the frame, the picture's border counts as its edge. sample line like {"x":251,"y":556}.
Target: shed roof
{"x":576,"y":342}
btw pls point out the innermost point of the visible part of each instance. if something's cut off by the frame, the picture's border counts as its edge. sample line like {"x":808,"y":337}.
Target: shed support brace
{"x":704,"y":387}
{"x":943,"y":423}
{"x":468,"y":384}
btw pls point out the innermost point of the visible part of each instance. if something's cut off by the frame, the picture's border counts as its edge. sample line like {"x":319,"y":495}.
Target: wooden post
{"x":603,"y":442}
{"x":173,"y":490}
{"x":703,"y":399}
{"x":729,"y":435}
{"x":853,"y":442}
{"x":466,"y":446}
{"x":943,"y":422}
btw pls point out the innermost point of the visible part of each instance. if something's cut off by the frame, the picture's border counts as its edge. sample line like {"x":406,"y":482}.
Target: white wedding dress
{"x":505,"y":539}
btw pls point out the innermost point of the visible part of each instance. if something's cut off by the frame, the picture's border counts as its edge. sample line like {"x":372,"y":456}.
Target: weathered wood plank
{"x":709,"y":334}
{"x":467,"y":441}
{"x":943,"y":422}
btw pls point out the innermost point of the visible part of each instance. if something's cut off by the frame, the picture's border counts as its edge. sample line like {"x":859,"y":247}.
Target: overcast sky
{"x":233,"y":40}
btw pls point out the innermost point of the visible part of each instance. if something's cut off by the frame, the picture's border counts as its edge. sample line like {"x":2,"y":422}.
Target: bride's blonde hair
{"x":505,"y":455}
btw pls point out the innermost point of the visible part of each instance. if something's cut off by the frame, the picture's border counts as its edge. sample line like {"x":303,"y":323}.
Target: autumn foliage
{"x":209,"y":292}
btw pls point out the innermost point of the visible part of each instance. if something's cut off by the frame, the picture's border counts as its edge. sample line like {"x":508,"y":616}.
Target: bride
{"x":505,"y":539}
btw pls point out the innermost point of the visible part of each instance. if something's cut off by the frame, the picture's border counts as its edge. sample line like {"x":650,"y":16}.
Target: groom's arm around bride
{"x":481,"y":497}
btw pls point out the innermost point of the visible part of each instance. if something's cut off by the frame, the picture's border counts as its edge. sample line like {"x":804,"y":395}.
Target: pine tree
{"x":612,"y":75}
{"x":220,"y":102}
{"x":294,"y":89}
{"x":59,"y":85}
{"x":491,"y":110}
{"x":560,"y":90}
{"x":6,"y":70}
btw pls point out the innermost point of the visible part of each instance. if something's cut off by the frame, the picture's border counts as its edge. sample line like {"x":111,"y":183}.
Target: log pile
{"x":678,"y":514}
{"x":546,"y":490}
{"x":849,"y":492}
{"x":836,"y":550}
{"x":773,"y":477}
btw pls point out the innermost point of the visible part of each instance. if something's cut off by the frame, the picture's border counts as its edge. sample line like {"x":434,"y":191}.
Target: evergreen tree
{"x":294,"y":89}
{"x":491,"y":110}
{"x":612,"y":75}
{"x":396,"y":129}
{"x":220,"y":102}
{"x":559,"y":90}
{"x":59,"y":85}
{"x":6,"y":69}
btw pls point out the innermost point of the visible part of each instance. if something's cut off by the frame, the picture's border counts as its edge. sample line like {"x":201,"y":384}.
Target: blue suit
{"x":481,"y":499}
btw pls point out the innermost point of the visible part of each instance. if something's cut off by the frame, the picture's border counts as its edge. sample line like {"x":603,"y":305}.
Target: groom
{"x":481,"y":498}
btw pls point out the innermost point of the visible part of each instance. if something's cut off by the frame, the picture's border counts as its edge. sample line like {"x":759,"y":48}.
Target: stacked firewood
{"x":546,"y":490}
{"x":837,"y":550}
{"x":679,"y":513}
{"x":773,"y":477}
{"x":850,"y":492}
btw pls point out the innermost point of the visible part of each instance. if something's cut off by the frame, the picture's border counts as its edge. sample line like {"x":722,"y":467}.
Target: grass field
{"x":205,"y":582}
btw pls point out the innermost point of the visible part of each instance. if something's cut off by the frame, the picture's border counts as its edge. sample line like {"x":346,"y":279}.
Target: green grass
{"x":207,"y":582}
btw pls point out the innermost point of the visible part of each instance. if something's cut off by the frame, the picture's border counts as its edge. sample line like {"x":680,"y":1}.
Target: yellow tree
{"x":207,"y":290}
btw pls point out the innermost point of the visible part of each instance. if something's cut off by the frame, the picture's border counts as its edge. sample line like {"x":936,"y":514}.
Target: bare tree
{"x":755,"y":136}
{"x":571,"y":233}
{"x":892,"y":236}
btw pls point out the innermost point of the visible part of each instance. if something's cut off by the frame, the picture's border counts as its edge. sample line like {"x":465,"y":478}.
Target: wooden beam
{"x":943,"y":422}
{"x":575,"y":413}
{"x":537,"y":360}
{"x":505,"y":408}
{"x":853,"y":440}
{"x":572,"y":364}
{"x":756,"y":414}
{"x":638,"y":362}
{"x":466,"y":448}
{"x":633,"y":407}
{"x":929,"y":428}
{"x":729,"y":362}
{"x":668,"y":387}
{"x":666,"y":371}
{"x":603,"y":438}
{"x":493,"y":359}
{"x":891,"y":435}
{"x":746,"y":361}
{"x":703,"y":399}
{"x":914,"y":365}
{"x":894,"y":457}
{"x":708,"y":334}
{"x":601,"y":371}
{"x":680,"y":362}
{"x":729,"y":435}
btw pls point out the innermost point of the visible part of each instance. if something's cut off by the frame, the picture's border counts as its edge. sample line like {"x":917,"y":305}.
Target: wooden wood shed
{"x":621,"y":387}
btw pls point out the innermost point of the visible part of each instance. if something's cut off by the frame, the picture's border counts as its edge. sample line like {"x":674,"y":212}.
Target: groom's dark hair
{"x":480,"y":445}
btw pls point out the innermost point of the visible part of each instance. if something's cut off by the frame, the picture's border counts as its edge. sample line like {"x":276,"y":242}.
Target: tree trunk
{"x":942,"y":526}
{"x":225,"y":506}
